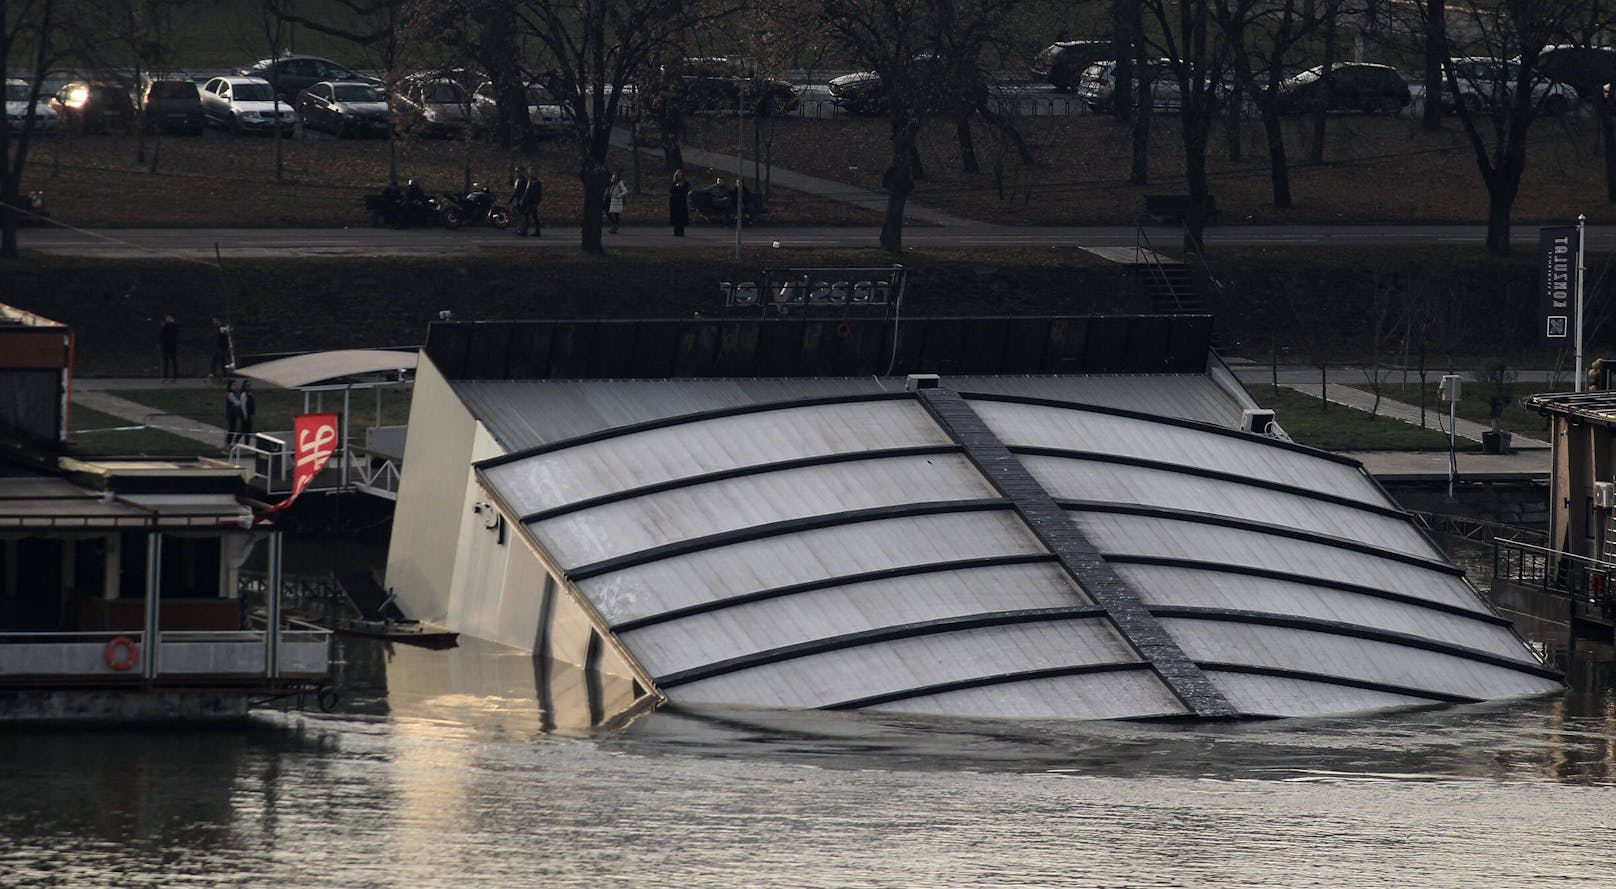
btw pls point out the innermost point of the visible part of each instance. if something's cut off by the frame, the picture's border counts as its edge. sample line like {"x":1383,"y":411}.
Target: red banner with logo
{"x":316,"y":438}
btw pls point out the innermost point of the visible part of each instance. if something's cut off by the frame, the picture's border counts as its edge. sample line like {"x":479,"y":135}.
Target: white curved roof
{"x":1000,"y":555}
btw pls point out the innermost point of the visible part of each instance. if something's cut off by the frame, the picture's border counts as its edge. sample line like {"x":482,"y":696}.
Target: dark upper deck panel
{"x":802,"y":347}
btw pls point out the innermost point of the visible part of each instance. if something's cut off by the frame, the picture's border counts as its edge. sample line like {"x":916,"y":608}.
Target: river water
{"x":440,"y":769}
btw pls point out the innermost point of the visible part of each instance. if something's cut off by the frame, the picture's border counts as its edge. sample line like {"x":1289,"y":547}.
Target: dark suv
{"x":720,"y":84}
{"x":87,"y":106}
{"x":1062,"y":63}
{"x":292,"y":74}
{"x":173,"y":106}
{"x":1351,"y":86}
{"x":1585,"y":68}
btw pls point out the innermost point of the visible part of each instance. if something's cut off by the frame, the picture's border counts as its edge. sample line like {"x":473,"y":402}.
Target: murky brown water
{"x":438,"y":769}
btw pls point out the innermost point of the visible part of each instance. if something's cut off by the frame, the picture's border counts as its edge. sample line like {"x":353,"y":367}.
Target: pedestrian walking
{"x":679,"y":203}
{"x":246,"y":406}
{"x":232,"y":413}
{"x":219,"y":366}
{"x":616,"y":194}
{"x":528,"y":207}
{"x":168,"y":339}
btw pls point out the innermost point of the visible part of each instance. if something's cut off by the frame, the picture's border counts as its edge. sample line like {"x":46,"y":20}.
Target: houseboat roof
{"x":1596,"y":406}
{"x":1099,"y":543}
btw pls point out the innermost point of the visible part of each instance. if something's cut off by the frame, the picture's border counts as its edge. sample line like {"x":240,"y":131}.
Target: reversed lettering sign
{"x":1557,"y":285}
{"x":315,"y":437}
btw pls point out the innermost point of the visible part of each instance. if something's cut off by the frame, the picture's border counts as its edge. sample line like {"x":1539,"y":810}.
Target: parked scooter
{"x":474,"y":208}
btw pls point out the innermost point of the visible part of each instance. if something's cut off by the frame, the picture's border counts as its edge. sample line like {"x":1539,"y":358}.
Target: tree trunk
{"x":1279,"y":173}
{"x":899,"y":183}
{"x":1607,"y":132}
{"x":1436,"y":47}
{"x":1315,"y":151}
{"x":595,"y":179}
{"x":1139,"y":172}
{"x":968,"y":164}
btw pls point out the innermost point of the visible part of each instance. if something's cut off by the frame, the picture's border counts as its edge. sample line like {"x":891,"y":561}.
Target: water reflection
{"x":478,"y":766}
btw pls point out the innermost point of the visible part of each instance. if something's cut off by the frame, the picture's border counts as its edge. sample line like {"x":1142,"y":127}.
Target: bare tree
{"x":1497,"y":102}
{"x":1263,"y":36}
{"x":1189,"y":38}
{"x":373,"y":26}
{"x":29,"y":25}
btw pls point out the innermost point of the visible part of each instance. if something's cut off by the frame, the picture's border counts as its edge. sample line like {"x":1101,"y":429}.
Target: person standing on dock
{"x":168,"y":339}
{"x":232,"y":413}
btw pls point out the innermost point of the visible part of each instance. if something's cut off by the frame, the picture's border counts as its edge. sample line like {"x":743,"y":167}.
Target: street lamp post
{"x":740,"y":156}
{"x":1449,"y":389}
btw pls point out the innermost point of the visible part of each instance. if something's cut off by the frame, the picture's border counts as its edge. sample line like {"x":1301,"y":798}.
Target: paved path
{"x":725,"y":165}
{"x":96,"y":394}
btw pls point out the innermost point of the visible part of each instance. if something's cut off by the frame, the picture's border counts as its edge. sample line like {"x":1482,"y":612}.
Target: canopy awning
{"x":359,"y":366}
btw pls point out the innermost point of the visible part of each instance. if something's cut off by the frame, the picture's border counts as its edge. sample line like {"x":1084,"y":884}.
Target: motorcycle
{"x":473,"y":208}
{"x":402,"y":209}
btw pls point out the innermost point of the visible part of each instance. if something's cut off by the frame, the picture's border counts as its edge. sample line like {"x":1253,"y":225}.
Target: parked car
{"x":433,"y":103}
{"x":546,"y":116}
{"x":1063,"y":63}
{"x":87,"y":106}
{"x":940,"y":89}
{"x":292,"y":74}
{"x":1351,"y":86}
{"x":246,"y":105}
{"x":1487,"y":85}
{"x":346,"y":109}
{"x":1585,"y":69}
{"x":172,"y":106}
{"x":721,"y":84}
{"x":1098,"y":86}
{"x":18,"y":92}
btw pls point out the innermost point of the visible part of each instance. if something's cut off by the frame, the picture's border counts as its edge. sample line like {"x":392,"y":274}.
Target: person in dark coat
{"x":518,"y":189}
{"x":220,"y":365}
{"x":679,"y":203}
{"x":168,"y":339}
{"x":232,"y":413}
{"x":529,"y":205}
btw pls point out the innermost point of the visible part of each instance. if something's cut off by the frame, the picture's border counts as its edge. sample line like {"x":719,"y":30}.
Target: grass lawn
{"x":276,"y":407}
{"x":1473,"y":403}
{"x":1336,"y":427}
{"x":96,"y":433}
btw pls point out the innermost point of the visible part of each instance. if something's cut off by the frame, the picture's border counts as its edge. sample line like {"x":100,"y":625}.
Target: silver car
{"x":546,"y":116}
{"x":437,"y":105}
{"x":246,"y":105}
{"x":17,"y":96}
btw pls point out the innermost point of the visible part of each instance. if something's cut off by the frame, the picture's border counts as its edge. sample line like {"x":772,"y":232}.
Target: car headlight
{"x":250,"y":115}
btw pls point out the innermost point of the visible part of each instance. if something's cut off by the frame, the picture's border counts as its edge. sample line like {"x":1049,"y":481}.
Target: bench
{"x":1172,"y":208}
{"x":703,"y":204}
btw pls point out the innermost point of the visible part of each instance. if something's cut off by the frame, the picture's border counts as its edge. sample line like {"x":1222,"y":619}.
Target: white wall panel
{"x":1164,"y":488}
{"x":722,"y":572}
{"x":1282,"y":696}
{"x":1167,"y":585}
{"x":1120,"y":695}
{"x":1144,"y":535}
{"x":822,"y":679}
{"x":1362,"y":659}
{"x":1054,"y":427}
{"x":623,"y":462}
{"x":836,"y":611}
{"x":629,"y":526}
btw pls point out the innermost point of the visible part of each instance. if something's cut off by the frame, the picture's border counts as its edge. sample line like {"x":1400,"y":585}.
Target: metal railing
{"x":1589,"y":584}
{"x":92,"y":655}
{"x":269,"y":463}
